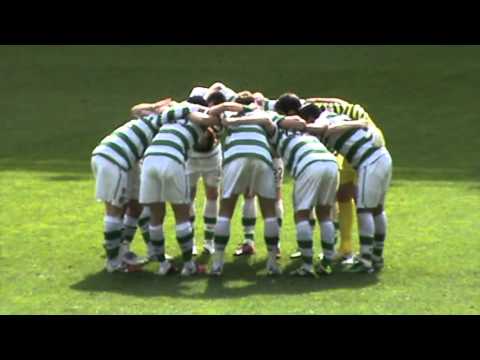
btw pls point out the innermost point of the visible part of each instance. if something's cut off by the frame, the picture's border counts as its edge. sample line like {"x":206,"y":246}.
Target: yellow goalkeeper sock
{"x":345,"y":216}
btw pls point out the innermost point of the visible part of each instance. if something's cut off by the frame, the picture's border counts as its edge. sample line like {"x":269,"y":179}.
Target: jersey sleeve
{"x":199,"y":91}
{"x":230,"y":94}
{"x":176,"y":113}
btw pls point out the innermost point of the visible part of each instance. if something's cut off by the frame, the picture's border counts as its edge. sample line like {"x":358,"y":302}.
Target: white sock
{"x":222,"y":234}
{"x":113,"y":229}
{"x":184,"y":234}
{"x":305,"y":241}
{"x":271,"y":232}
{"x":328,"y":239}
{"x":366,"y":228}
{"x":129,"y":228}
{"x":157,"y":241}
{"x":381,"y":225}
{"x":249,"y":219}
{"x":210,"y":219}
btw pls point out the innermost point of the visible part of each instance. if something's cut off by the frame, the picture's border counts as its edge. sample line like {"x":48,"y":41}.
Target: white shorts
{"x":373,"y":182}
{"x":111,"y":182}
{"x":163,"y":180}
{"x":210,"y":169}
{"x":316,"y":186}
{"x":248,"y":175}
{"x":278,"y":171}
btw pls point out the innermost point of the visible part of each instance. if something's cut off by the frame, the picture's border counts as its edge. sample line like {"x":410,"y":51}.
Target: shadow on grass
{"x":240,"y":279}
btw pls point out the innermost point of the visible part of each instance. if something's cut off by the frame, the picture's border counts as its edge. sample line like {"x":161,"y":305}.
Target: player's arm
{"x":228,"y":106}
{"x":145,"y":109}
{"x":203,"y":119}
{"x":341,"y":126}
{"x":317,"y":129}
{"x":263,"y":120}
{"x":294,"y":122}
{"x":327,"y":100}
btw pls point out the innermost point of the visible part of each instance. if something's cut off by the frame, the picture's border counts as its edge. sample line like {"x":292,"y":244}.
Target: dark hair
{"x":245,"y":99}
{"x":288,"y":104}
{"x":216,"y":98}
{"x":211,"y":141}
{"x":197,"y":100}
{"x":309,"y":110}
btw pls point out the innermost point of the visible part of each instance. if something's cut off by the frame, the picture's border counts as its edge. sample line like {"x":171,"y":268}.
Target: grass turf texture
{"x":58,"y":102}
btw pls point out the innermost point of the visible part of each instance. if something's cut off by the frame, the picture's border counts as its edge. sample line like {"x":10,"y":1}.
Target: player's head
{"x":197,"y":100}
{"x":216,"y":98}
{"x":207,"y":140}
{"x":288,"y":104}
{"x":309,"y":112}
{"x":245,"y":98}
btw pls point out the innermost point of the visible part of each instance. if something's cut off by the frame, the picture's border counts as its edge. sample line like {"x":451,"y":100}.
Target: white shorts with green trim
{"x":111,"y":182}
{"x":373,"y":182}
{"x":316,"y":186}
{"x":163,"y":180}
{"x":209,"y":169}
{"x":248,"y":175}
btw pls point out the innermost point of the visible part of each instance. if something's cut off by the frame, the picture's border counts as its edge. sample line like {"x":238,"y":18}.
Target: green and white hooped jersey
{"x":247,"y":141}
{"x":175,"y":141}
{"x":127,"y":144}
{"x":299,"y":151}
{"x":356,"y":145}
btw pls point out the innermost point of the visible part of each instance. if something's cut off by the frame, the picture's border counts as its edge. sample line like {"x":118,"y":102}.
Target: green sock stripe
{"x":271,"y":240}
{"x":249,"y":221}
{"x":209,"y":235}
{"x":378,"y":252}
{"x":112,"y":253}
{"x":307,"y":260}
{"x":186,"y":238}
{"x":379,"y":238}
{"x":221,"y":240}
{"x":146,"y":237}
{"x":336,"y":225}
{"x":328,"y":246}
{"x":192,"y":219}
{"x":366,"y":240}
{"x":187,"y":255}
{"x":312,"y":222}
{"x":158,"y":243}
{"x":366,"y":256}
{"x":143,"y":222}
{"x":280,"y":222}
{"x":250,"y":237}
{"x":113,"y":235}
{"x":305,"y":244}
{"x":128,"y":238}
{"x":209,"y":221}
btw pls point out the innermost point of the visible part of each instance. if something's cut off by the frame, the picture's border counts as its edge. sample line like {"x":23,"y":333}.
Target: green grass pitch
{"x":58,"y":102}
